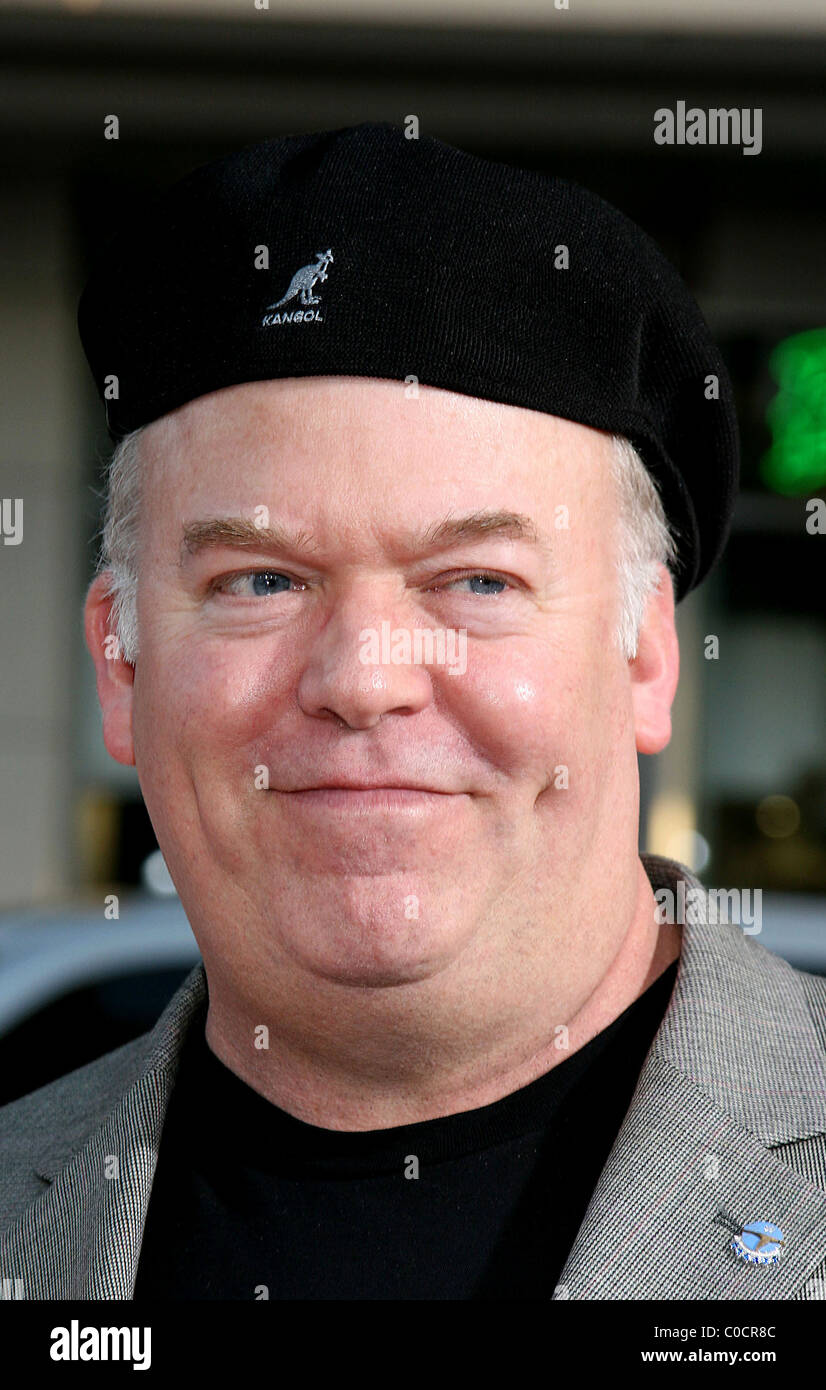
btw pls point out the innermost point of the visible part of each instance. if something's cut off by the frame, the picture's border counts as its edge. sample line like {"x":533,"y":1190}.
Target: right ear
{"x":115,"y":677}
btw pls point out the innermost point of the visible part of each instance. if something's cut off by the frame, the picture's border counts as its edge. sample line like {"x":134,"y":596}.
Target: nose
{"x":347,"y":674}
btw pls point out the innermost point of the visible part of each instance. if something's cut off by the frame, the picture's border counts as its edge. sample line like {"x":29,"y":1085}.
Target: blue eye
{"x":483,"y":579}
{"x":269,"y":582}
{"x":265,"y":582}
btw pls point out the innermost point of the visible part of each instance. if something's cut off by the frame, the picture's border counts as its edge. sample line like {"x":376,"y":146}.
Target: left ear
{"x":655,"y":669}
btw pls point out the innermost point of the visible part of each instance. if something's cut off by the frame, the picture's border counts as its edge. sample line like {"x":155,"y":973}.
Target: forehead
{"x":371,"y":443}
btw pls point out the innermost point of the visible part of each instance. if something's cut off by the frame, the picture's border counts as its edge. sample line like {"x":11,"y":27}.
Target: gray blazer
{"x":729,"y":1113}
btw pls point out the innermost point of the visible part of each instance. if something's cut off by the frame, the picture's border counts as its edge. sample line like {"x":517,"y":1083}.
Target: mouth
{"x":364,"y":799}
{"x":372,"y":787}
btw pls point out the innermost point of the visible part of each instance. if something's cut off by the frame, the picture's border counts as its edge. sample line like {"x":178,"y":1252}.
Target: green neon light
{"x":796,"y":461}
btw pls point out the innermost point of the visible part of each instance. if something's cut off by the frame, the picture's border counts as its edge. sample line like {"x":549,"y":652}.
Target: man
{"x":445,"y":1042}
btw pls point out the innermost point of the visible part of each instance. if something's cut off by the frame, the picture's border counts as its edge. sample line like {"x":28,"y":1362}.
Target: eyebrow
{"x":241,"y":533}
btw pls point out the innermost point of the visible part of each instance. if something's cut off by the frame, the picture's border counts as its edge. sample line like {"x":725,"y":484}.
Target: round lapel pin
{"x":757,"y":1242}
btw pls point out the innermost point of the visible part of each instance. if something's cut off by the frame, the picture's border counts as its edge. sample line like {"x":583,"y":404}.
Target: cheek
{"x":203,"y":702}
{"x":542,"y":715}
{"x":514,"y":707}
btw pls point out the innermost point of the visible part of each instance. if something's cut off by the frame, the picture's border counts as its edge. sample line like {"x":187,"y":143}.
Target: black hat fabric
{"x":361,"y":252}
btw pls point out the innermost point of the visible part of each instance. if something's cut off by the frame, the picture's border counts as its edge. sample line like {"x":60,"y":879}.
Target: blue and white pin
{"x":757,"y":1242}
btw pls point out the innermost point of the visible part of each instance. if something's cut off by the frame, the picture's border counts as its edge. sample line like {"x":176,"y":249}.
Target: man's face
{"x":249,"y":687}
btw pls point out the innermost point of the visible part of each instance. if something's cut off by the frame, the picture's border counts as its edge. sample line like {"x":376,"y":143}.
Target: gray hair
{"x":644,"y":541}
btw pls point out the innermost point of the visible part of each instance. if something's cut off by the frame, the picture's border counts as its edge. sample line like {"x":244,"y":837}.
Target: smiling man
{"x":441,"y":1040}
{"x":400,"y":873}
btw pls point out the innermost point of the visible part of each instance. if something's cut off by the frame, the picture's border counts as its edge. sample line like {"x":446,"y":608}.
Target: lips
{"x":371,"y":786}
{"x":349,"y":804}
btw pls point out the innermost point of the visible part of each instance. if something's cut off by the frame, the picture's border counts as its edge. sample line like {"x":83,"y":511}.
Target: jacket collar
{"x":154,"y":1055}
{"x":81,"y":1237}
{"x":735,"y":1069}
{"x":734,"y":1000}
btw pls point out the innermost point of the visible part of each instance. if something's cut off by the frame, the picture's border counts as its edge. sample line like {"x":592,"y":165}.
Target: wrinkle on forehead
{"x":342,"y":408}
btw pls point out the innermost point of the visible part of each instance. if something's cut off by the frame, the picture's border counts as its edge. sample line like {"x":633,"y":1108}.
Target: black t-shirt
{"x":248,"y":1198}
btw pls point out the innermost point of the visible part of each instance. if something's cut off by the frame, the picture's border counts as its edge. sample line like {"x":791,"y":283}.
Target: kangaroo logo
{"x":301,"y":284}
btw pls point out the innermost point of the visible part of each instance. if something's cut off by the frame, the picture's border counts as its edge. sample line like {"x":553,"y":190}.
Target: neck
{"x":361,"y":1059}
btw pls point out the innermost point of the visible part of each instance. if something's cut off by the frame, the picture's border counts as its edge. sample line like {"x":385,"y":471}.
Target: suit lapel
{"x":81,"y":1238}
{"x":650,"y":1229}
{"x":721,"y":1083}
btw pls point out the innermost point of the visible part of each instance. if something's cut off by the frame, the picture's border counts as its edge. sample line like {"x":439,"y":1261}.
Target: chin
{"x":373,"y":955}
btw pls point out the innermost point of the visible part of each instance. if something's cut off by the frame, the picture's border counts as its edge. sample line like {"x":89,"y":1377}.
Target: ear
{"x":655,"y":669}
{"x":115,"y":677}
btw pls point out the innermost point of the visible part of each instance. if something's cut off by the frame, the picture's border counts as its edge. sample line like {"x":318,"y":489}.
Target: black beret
{"x":360,"y":252}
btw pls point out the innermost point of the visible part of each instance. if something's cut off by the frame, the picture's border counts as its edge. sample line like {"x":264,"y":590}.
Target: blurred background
{"x":740,"y":794}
